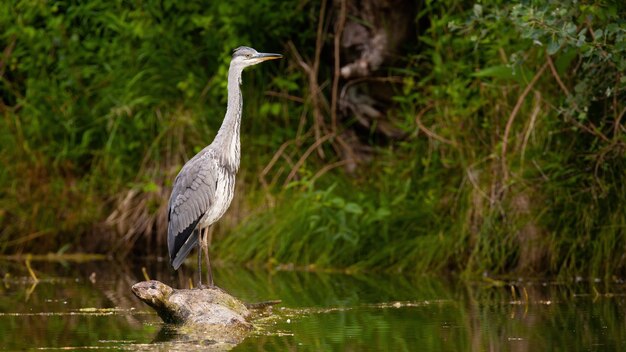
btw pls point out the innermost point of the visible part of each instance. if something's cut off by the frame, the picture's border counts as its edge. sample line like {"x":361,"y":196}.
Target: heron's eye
{"x":248,"y":56}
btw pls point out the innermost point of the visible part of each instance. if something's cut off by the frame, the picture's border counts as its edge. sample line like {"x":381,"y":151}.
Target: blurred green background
{"x":510,"y":159}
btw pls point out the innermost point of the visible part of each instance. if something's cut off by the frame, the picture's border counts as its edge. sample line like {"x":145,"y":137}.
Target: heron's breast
{"x":224,"y":193}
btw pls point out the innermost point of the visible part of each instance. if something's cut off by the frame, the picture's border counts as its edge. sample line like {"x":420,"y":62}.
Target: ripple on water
{"x":320,"y":312}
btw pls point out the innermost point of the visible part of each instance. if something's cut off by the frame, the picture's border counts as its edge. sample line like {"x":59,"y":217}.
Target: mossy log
{"x":219,"y":315}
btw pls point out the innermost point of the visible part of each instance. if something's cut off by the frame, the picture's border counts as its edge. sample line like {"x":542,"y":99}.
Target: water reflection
{"x":173,"y":338}
{"x":90,"y":305}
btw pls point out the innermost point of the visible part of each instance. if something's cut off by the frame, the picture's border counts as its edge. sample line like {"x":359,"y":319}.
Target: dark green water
{"x":90,"y":306}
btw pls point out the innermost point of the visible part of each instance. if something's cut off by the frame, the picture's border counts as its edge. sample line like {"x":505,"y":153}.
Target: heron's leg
{"x":199,"y":232}
{"x":205,"y":246}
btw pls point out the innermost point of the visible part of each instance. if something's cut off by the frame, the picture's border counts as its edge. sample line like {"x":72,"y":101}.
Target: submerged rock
{"x":202,"y":306}
{"x":220,"y":316}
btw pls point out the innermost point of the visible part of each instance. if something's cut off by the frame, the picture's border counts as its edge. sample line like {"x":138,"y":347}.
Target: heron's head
{"x":245,"y":56}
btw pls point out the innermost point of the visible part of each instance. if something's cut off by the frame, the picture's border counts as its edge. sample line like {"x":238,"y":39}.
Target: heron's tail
{"x":182,"y":253}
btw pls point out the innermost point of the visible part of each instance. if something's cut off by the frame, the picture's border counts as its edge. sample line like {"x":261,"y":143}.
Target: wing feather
{"x":192,"y":196}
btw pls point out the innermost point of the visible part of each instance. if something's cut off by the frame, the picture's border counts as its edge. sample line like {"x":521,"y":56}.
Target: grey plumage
{"x":193,"y":194}
{"x":205,"y":185}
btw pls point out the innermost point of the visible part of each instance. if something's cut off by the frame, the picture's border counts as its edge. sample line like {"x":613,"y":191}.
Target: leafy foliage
{"x":515,"y":163}
{"x":102,"y":95}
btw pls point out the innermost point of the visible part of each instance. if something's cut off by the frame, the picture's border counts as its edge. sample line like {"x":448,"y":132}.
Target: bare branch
{"x":514,"y":112}
{"x":337,"y":74}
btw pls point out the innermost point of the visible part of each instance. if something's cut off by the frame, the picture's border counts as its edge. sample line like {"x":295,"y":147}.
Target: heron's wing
{"x":192,"y":196}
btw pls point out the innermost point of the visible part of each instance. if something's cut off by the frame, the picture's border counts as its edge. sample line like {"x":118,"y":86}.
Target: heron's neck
{"x":227,"y":140}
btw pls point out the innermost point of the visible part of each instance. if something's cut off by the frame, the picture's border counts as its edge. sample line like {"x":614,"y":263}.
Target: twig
{"x":428,"y":132}
{"x":580,"y":125}
{"x":53,"y":257}
{"x":26,"y":238}
{"x":304,"y":156}
{"x":6,"y":54}
{"x":531,"y":125}
{"x":337,"y":42}
{"x":285,"y":96}
{"x":343,"y":148}
{"x":421,"y":113}
{"x":30,"y":290}
{"x":145,"y":273}
{"x":319,"y":36}
{"x":305,"y":66}
{"x":558,"y":79}
{"x":593,"y":130}
{"x":289,"y":162}
{"x":262,"y":305}
{"x":300,"y":134}
{"x":618,"y":121}
{"x":315,"y":91}
{"x":30,"y":270}
{"x":433,"y":135}
{"x":314,"y":86}
{"x":269,"y":165}
{"x":277,"y":174}
{"x":526,"y":299}
{"x":329,"y":167}
{"x":470,"y":177}
{"x":516,"y":108}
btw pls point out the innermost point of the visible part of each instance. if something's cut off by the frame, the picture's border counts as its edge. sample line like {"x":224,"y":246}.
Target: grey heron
{"x":204,"y":187}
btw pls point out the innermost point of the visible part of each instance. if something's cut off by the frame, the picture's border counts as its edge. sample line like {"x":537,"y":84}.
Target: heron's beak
{"x":266,"y":56}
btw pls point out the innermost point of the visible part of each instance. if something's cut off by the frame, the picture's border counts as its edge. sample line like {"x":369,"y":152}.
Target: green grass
{"x":512,"y":161}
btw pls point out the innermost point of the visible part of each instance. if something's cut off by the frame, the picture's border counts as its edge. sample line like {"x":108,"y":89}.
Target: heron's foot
{"x":207,"y":287}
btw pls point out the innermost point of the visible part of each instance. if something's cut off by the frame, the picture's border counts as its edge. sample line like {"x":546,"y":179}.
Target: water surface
{"x":90,"y":306}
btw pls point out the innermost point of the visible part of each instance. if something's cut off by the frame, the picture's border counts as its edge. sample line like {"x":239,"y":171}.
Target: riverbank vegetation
{"x":501,"y":150}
